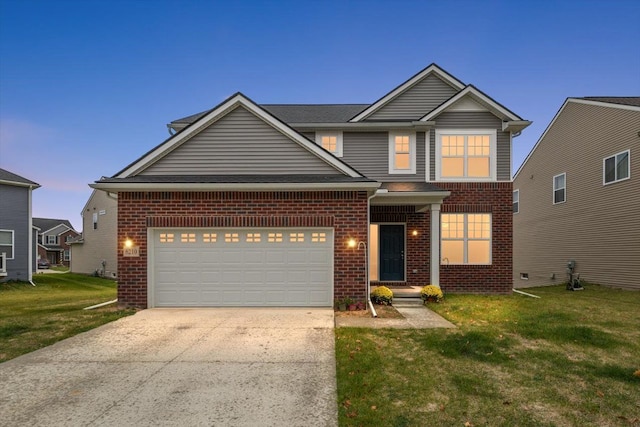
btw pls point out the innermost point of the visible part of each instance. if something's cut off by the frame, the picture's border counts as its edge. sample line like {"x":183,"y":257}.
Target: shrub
{"x":431,"y":293}
{"x":382,"y":295}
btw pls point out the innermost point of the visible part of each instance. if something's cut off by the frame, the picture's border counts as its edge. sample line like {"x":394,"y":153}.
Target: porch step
{"x":406,"y":292}
{"x":407,"y":301}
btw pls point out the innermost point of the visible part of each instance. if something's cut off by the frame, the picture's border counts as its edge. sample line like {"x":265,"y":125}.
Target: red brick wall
{"x":494,"y":198}
{"x":345,"y":211}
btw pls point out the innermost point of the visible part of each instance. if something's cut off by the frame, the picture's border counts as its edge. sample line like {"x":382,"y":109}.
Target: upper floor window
{"x":95,"y":220}
{"x":465,"y":238}
{"x":616,"y":168}
{"x":560,"y":188}
{"x":6,"y":243}
{"x":51,"y":240}
{"x":330,"y":141}
{"x":402,"y":153}
{"x":516,"y":201}
{"x":467,"y":155}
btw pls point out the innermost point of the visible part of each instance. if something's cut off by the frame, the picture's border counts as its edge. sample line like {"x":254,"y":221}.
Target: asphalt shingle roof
{"x":5,"y":175}
{"x":622,"y":100}
{"x":235,"y":179}
{"x":45,"y":224}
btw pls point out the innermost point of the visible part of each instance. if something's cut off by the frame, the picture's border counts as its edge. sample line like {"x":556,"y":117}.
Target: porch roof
{"x":419,"y":194}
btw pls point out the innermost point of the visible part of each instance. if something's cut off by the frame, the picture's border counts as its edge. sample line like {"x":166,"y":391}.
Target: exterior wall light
{"x":414,"y":233}
{"x":352,"y":243}
{"x":128,"y":243}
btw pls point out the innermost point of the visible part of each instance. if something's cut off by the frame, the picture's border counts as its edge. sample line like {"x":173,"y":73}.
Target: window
{"x":67,"y":255}
{"x":253,"y":237}
{"x":231,"y":237}
{"x":51,"y":240}
{"x":209,"y":237}
{"x":275,"y":237}
{"x":188,"y":237}
{"x":296,"y":237}
{"x":6,"y":243}
{"x":330,"y":141}
{"x":466,"y":238}
{"x":166,"y":237}
{"x":524,"y":276}
{"x":466,"y":154}
{"x":95,"y":220}
{"x":559,"y":188}
{"x":402,"y":153}
{"x":516,"y":201}
{"x":318,"y":237}
{"x":616,"y":168}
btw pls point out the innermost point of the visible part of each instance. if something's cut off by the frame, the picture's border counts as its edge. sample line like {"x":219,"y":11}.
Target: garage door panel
{"x":243,"y":267}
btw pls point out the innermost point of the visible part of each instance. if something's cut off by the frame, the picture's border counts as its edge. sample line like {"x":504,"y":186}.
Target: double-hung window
{"x":6,"y":243}
{"x":560,"y":188}
{"x":616,"y":168}
{"x":466,"y":155}
{"x":516,"y":201}
{"x":466,"y":238}
{"x":402,"y":152}
{"x":330,"y":141}
{"x":51,"y":240}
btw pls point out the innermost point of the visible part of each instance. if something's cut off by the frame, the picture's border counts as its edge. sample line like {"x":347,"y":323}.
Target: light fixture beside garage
{"x":128,"y":242}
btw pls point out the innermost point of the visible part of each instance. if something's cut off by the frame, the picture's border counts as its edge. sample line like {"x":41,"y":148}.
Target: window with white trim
{"x":67,"y":255}
{"x":516,"y":201}
{"x":560,"y":188}
{"x":465,"y":238}
{"x":468,"y":155}
{"x":95,"y":220}
{"x":51,"y":240}
{"x":6,"y":243}
{"x":402,"y":153}
{"x":330,"y":141}
{"x":616,"y":167}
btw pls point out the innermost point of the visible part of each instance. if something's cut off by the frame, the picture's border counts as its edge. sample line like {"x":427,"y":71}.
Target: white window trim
{"x":412,"y":153}
{"x":516,"y":192}
{"x":47,"y":242}
{"x":493,"y":150}
{"x":553,"y":193}
{"x":604,"y":161}
{"x":66,"y":255}
{"x":465,"y":239}
{"x":13,"y":243}
{"x":337,"y":134}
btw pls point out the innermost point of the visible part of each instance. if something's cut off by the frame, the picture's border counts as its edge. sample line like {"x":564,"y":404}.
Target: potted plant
{"x":431,"y":293}
{"x":341,"y":304}
{"x":361,"y":305}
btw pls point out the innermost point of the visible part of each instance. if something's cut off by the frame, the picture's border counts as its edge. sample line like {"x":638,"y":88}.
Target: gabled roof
{"x":217,"y":113}
{"x":431,"y":69}
{"x":623,"y":103}
{"x":48,"y":224}
{"x":10,"y":178}
{"x":478,"y":96}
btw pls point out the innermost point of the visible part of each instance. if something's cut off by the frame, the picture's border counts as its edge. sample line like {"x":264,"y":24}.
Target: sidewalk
{"x":416,"y":316}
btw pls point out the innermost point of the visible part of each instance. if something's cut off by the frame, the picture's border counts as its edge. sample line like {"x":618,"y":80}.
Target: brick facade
{"x":345,"y":211}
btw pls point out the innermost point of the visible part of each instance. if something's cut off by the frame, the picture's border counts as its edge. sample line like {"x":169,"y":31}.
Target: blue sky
{"x":86,"y":87}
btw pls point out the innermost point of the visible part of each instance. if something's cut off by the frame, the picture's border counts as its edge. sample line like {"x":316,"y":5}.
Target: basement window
{"x":524,"y":276}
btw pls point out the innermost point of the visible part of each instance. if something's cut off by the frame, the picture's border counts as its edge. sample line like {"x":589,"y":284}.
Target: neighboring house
{"x":53,"y":240}
{"x":94,"y":251}
{"x":253,"y":205}
{"x":577,"y":197}
{"x":17,"y":237}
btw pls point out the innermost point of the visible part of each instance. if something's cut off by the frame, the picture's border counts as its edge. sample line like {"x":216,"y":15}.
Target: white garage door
{"x":242,"y":267}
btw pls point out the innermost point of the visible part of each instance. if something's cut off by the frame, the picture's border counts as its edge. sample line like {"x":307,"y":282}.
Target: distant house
{"x":577,"y":197}
{"x":53,"y":240}
{"x":94,"y":251}
{"x":17,"y":239}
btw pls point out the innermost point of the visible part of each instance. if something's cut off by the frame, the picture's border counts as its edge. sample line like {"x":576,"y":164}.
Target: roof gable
{"x":10,"y":178}
{"x":237,"y":137}
{"x":430,"y":78}
{"x":48,"y":224}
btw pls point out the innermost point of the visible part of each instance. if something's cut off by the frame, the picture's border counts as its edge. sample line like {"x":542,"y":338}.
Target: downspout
{"x":373,"y":310}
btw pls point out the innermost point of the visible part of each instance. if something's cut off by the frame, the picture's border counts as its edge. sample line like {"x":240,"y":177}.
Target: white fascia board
{"x":409,"y":198}
{"x":403,"y":87}
{"x":222,"y":110}
{"x":475,"y":95}
{"x":108,"y":186}
{"x":603,"y":104}
{"x":86,"y":205}
{"x":514,"y":126}
{"x":19,"y":184}
{"x":416,"y":125}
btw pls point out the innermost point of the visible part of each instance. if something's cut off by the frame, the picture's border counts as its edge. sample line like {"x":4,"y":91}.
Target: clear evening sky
{"x":86,"y":87}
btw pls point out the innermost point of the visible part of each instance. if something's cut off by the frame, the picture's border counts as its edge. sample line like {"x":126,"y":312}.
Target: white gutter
{"x":149,"y":186}
{"x":373,"y":310}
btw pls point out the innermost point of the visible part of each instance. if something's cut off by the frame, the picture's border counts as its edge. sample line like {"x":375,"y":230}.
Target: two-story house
{"x":296,"y":205}
{"x":17,"y":235}
{"x":577,"y":197}
{"x":54,"y":236}
{"x":95,"y":250}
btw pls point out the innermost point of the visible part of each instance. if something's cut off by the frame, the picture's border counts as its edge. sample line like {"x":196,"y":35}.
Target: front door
{"x":391,"y":252}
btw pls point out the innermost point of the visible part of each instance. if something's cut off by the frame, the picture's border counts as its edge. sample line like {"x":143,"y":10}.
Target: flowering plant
{"x":431,"y":293}
{"x":382,"y":295}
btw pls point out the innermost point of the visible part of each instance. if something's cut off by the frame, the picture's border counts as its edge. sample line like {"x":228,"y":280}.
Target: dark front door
{"x":391,"y":252}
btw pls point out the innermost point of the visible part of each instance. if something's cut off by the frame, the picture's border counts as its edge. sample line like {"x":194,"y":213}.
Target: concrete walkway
{"x":416,"y":316}
{"x":181,"y":367}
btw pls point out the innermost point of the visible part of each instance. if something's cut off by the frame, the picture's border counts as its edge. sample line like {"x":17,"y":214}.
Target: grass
{"x":35,"y":317}
{"x":567,"y":359}
{"x":59,"y":268}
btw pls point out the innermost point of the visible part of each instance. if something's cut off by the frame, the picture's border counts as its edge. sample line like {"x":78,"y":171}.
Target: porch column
{"x":435,"y":244}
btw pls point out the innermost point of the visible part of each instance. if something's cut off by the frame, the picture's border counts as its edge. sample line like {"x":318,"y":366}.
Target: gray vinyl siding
{"x":368,"y":153}
{"x":474,"y":120}
{"x":598,"y":226}
{"x":239,"y":143}
{"x":99,"y":244}
{"x":14,"y":215}
{"x":416,"y":101}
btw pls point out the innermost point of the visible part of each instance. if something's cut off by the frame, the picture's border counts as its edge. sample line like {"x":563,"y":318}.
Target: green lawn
{"x":567,"y":359}
{"x":35,"y":317}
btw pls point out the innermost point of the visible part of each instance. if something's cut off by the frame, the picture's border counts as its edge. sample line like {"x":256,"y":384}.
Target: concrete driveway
{"x":191,"y":367}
